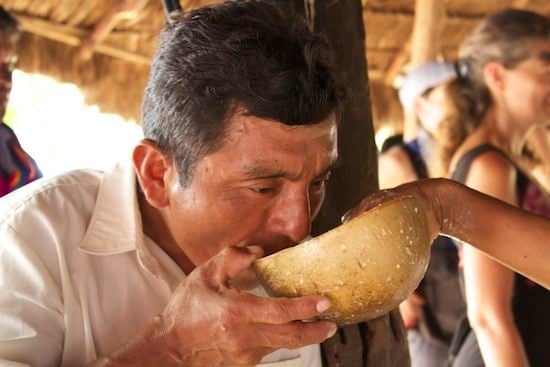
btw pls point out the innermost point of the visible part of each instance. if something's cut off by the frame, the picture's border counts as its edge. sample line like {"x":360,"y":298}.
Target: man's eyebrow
{"x":261,"y":170}
{"x":258,"y":170}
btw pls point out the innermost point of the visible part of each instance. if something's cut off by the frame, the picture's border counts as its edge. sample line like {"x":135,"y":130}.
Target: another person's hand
{"x":211,"y":323}
{"x":427,"y":191}
{"x":516,"y":238}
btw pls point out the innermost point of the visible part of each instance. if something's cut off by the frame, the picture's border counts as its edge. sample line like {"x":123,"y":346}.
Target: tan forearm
{"x":512,"y":236}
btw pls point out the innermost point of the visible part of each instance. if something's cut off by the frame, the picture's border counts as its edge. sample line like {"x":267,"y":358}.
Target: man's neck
{"x":154,"y":227}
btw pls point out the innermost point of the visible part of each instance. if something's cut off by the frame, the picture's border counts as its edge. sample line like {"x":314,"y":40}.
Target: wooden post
{"x":356,"y":175}
{"x":429,"y":20}
{"x":380,"y":342}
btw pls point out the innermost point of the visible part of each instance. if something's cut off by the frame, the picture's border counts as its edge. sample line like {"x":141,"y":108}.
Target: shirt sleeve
{"x":31,"y":306}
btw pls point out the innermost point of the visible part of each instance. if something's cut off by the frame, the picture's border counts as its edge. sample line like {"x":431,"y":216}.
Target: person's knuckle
{"x":231,"y":316}
{"x":280,"y":311}
{"x":238,"y":345}
{"x":293,"y":339}
{"x":230,"y":252}
{"x":210,"y":268}
{"x":206,"y":271}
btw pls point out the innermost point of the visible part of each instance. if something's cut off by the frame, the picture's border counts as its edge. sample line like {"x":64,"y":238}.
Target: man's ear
{"x":153,"y":171}
{"x":493,"y":72}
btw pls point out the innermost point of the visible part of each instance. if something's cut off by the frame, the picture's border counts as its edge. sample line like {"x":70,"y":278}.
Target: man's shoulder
{"x":55,"y":194}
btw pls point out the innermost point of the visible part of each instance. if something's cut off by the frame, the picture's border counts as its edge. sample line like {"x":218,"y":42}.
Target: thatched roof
{"x":115,"y":76}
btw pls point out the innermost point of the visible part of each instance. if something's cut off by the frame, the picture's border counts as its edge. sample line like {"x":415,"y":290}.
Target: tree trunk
{"x":381,"y":342}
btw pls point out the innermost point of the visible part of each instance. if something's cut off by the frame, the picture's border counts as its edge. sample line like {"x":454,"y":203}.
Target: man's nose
{"x":292,"y":216}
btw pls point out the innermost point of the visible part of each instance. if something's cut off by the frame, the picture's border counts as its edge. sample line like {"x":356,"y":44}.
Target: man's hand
{"x":210,"y":323}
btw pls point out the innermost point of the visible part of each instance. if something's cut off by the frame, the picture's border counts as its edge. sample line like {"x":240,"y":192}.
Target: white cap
{"x":424,"y":77}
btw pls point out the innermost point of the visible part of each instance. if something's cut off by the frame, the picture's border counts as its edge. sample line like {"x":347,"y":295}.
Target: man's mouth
{"x":273,"y":248}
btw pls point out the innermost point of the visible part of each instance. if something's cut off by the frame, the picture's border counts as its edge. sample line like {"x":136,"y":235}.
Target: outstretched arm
{"x":514,"y":237}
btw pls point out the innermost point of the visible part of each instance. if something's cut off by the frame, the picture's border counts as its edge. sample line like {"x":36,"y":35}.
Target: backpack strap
{"x":413,"y":151}
{"x":391,"y":142}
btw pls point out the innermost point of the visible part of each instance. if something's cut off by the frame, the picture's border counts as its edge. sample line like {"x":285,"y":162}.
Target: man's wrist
{"x":164,"y":336}
{"x":154,"y":346}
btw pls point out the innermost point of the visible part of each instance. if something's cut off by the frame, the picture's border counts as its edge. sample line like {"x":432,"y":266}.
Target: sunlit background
{"x":60,"y":132}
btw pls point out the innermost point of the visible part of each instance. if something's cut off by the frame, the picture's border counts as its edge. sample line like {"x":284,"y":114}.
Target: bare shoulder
{"x":395,"y":168}
{"x":492,"y":173}
{"x":396,"y":156}
{"x":492,"y":164}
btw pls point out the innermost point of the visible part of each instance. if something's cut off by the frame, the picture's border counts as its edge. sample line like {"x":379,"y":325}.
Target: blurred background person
{"x":501,"y":94}
{"x":17,"y":168}
{"x":538,"y":155}
{"x":432,"y":313}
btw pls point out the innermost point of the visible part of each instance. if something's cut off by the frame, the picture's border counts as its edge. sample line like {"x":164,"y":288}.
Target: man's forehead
{"x":276,"y":143}
{"x":241,"y":122}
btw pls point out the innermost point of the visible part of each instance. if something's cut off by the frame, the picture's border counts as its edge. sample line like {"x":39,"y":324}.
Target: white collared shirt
{"x":78,"y":277}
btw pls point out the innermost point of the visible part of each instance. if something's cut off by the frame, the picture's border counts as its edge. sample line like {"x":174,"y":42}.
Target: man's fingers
{"x":231,"y":261}
{"x":370,"y":202}
{"x":262,"y":337}
{"x":268,"y":310}
{"x":296,"y":334}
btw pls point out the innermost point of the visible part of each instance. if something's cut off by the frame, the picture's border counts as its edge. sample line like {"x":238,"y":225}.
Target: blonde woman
{"x":502,"y":93}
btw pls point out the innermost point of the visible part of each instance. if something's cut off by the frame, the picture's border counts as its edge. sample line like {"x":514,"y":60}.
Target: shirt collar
{"x":115,"y":226}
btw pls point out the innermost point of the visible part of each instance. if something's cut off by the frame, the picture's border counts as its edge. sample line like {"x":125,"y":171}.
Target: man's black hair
{"x":245,"y":54}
